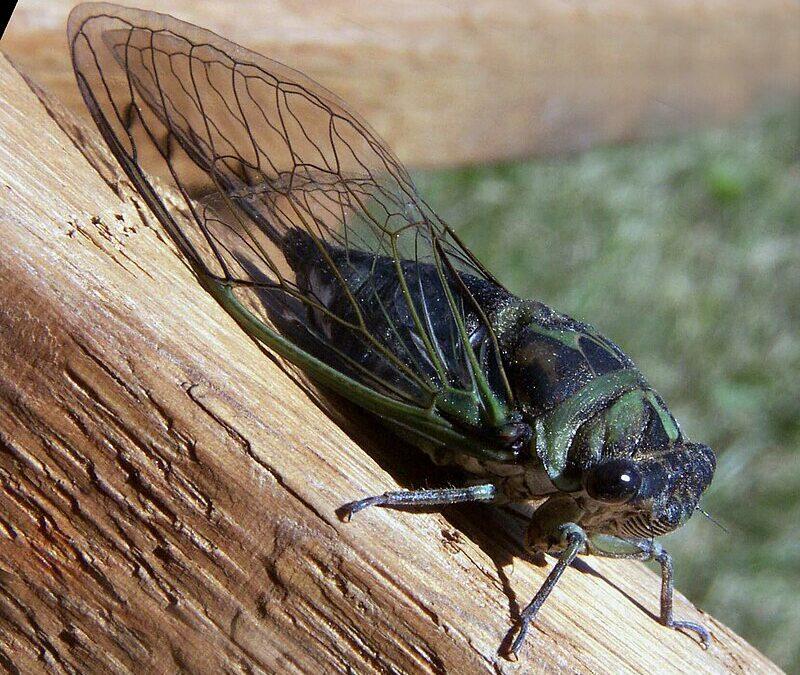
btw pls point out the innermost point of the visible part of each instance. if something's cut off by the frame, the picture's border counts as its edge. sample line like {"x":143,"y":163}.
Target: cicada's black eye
{"x":614,"y":481}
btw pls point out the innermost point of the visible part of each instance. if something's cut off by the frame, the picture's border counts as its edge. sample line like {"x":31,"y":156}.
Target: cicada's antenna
{"x":717,"y":523}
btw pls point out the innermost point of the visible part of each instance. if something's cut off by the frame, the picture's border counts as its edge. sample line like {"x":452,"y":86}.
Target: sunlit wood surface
{"x":167,"y":490}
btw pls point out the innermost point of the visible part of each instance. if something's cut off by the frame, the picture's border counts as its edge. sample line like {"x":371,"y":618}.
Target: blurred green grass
{"x":686,"y":252}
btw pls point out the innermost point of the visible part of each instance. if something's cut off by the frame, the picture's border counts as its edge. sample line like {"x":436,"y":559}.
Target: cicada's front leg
{"x":572,"y":541}
{"x":421,"y":498}
{"x":554,"y":528}
{"x":645,"y":550}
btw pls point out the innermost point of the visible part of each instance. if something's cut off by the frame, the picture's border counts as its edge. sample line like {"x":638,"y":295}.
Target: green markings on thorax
{"x":556,"y":430}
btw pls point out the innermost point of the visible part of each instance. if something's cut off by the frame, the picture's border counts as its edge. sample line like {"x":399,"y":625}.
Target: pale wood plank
{"x":168,"y":490}
{"x":480,"y":80}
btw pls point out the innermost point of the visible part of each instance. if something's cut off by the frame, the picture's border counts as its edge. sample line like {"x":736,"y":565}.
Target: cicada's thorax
{"x":596,"y":421}
{"x":577,"y":390}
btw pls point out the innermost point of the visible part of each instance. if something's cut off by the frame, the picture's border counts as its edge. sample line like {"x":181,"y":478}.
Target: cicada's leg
{"x":665,"y":560}
{"x":573,"y":542}
{"x":436,"y":497}
{"x":645,"y":549}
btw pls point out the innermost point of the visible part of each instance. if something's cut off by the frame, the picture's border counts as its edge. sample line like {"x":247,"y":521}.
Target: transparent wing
{"x":289,"y":199}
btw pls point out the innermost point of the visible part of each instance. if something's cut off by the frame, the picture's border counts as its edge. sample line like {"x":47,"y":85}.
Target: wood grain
{"x":168,"y":490}
{"x":481,"y":80}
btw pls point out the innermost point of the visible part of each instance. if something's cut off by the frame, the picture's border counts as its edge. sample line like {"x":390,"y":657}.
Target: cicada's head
{"x":648,"y":496}
{"x":645,"y":479}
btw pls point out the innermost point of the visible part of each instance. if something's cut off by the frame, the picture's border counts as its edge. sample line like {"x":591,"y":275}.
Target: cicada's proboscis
{"x":311,"y":234}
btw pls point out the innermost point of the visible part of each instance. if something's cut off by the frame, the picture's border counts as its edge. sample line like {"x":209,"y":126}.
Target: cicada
{"x":306,"y":228}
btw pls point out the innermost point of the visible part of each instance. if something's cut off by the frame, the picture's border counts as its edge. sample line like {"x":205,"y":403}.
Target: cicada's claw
{"x":702,"y":631}
{"x":346,"y":511}
{"x":515,"y":637}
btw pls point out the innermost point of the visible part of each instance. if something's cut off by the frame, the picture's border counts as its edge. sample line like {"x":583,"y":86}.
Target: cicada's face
{"x":646,"y":495}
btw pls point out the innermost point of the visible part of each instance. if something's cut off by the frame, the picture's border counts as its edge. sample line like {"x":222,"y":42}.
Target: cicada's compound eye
{"x":615,"y":481}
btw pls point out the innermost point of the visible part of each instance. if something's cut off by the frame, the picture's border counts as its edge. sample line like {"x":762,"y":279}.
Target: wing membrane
{"x":291,"y":200}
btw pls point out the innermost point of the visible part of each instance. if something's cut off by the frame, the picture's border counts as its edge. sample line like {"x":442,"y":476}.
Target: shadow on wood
{"x":168,"y":492}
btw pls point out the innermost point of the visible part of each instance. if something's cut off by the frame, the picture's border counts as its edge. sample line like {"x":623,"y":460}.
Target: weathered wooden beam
{"x":481,"y":80}
{"x":167,"y":490}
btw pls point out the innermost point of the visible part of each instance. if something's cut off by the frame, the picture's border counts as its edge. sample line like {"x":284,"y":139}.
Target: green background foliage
{"x":686,"y":252}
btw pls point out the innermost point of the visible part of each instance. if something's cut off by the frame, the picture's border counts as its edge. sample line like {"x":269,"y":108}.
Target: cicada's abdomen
{"x":417,"y":351}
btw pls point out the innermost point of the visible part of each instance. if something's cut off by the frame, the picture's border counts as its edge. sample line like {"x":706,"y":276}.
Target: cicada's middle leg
{"x":436,"y":497}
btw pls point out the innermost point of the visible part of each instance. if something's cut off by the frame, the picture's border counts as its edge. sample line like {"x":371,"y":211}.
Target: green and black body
{"x":581,"y":409}
{"x":305,"y":227}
